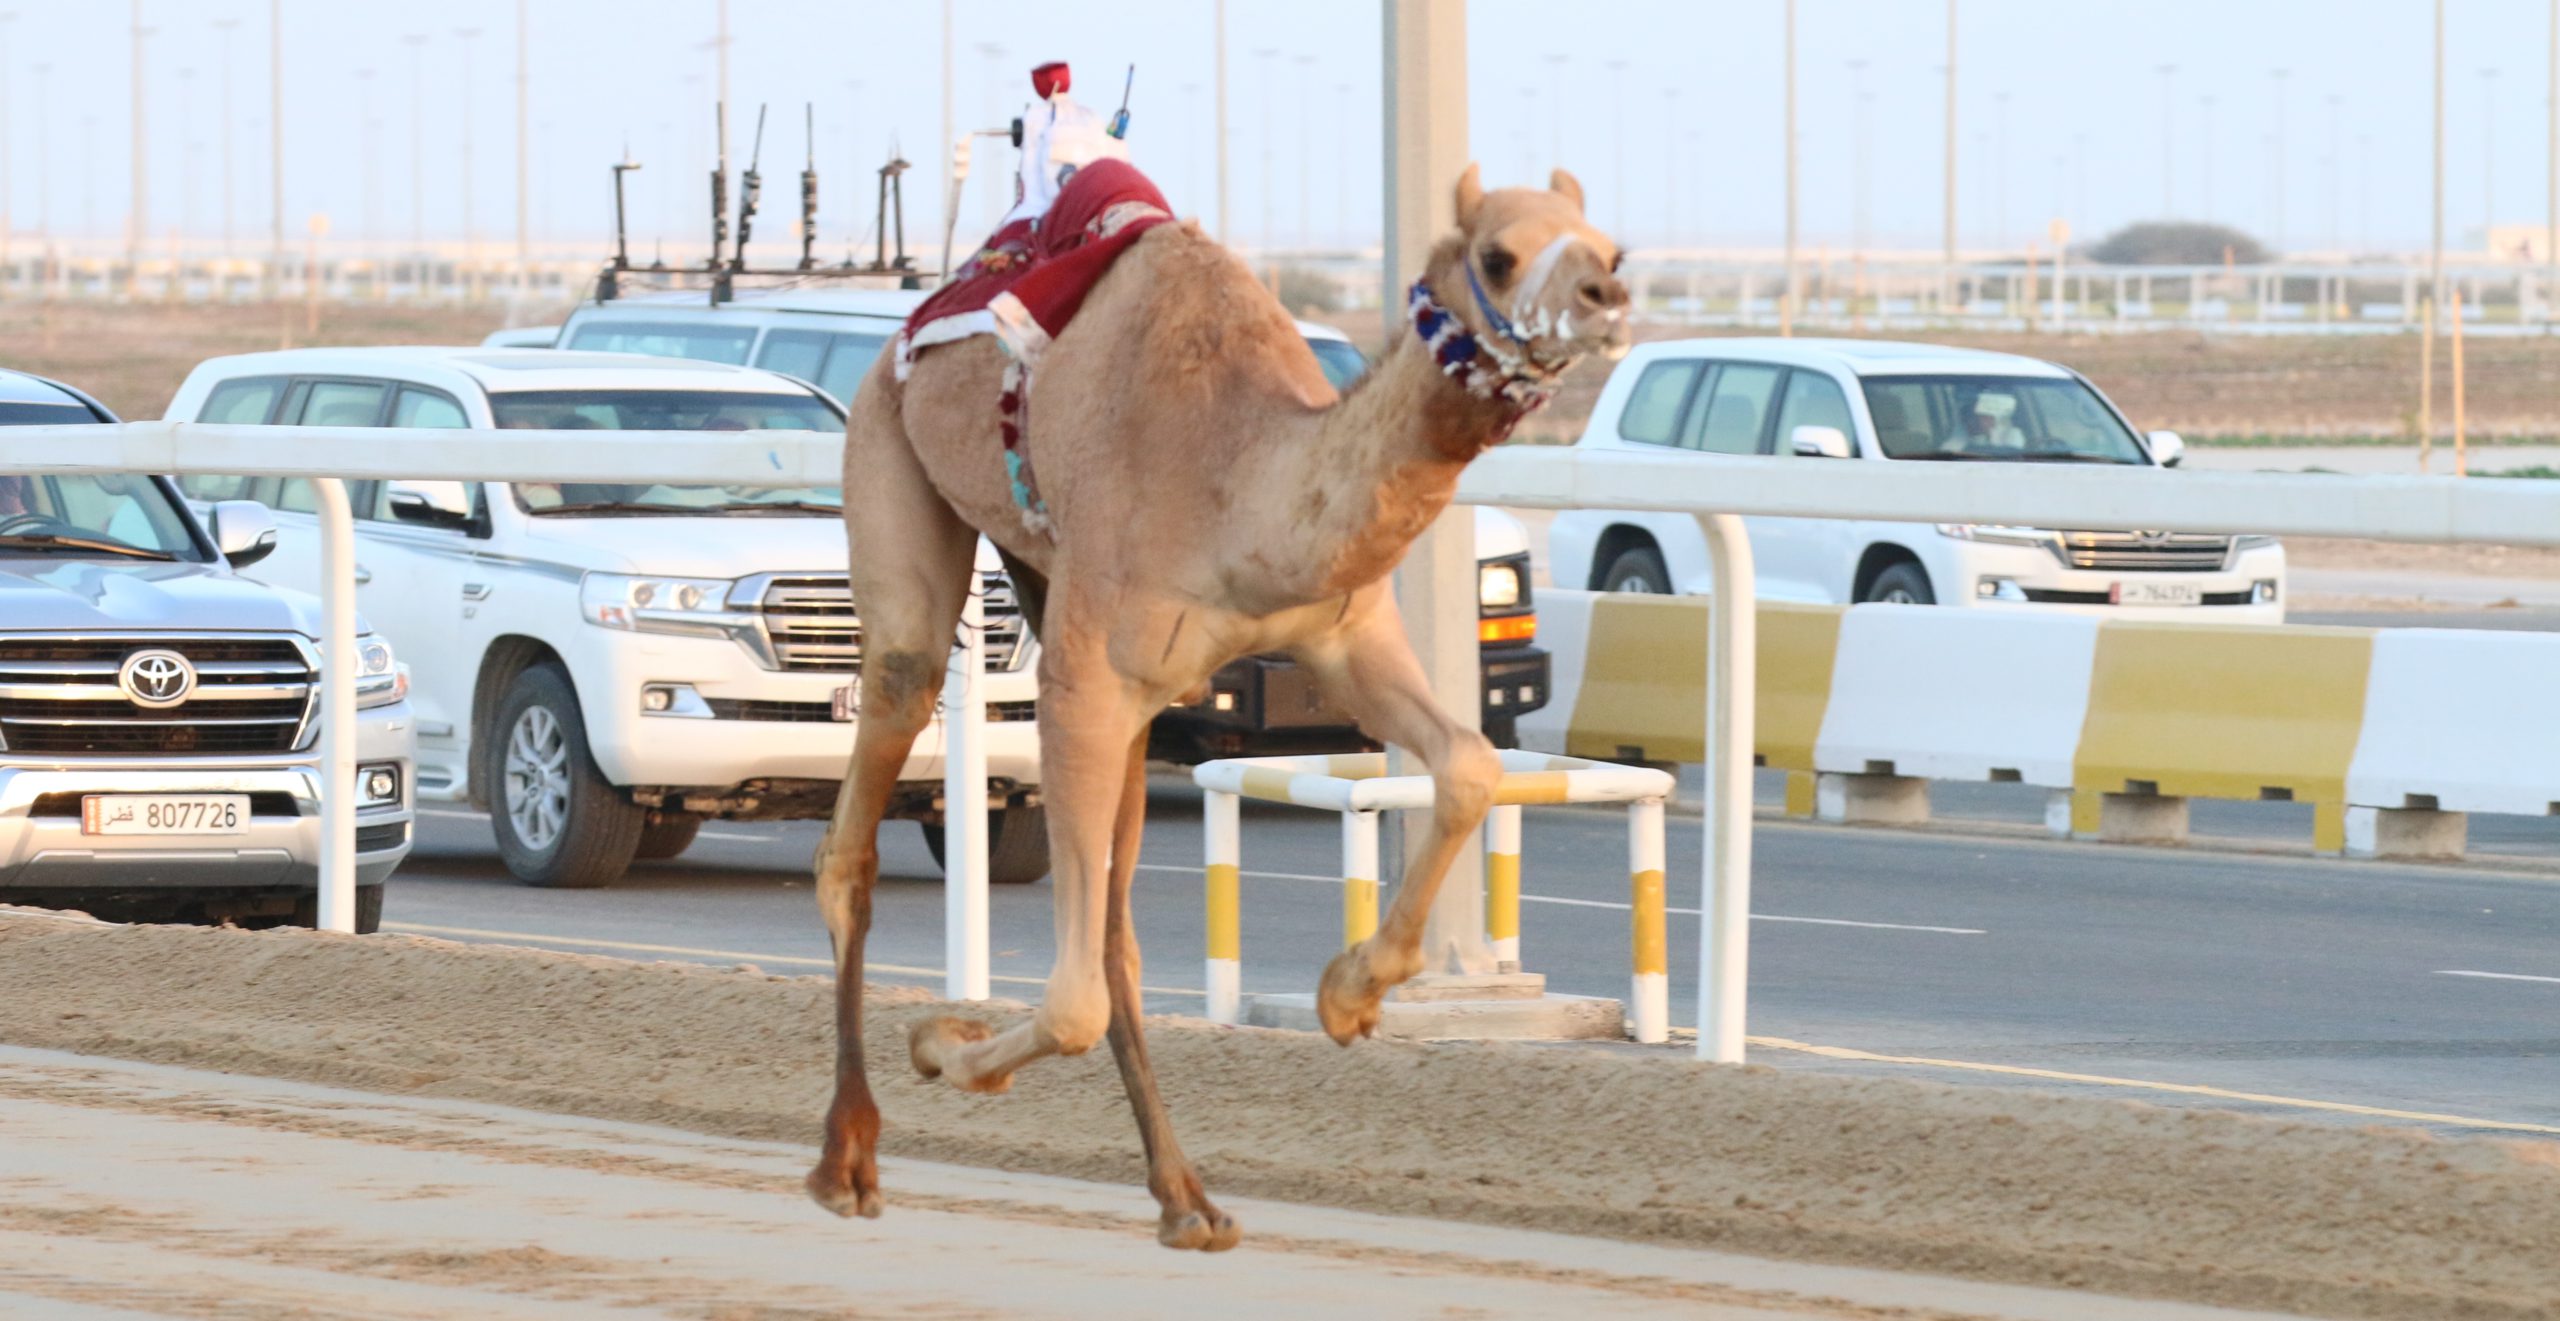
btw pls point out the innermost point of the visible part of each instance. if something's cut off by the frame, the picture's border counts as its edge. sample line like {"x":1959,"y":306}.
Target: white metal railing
{"x":2419,"y":509}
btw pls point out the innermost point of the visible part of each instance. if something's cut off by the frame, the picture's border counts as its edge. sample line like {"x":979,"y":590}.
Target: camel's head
{"x":1539,"y":284}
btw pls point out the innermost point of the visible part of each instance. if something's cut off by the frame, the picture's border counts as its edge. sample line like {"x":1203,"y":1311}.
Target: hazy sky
{"x":2060,"y":111}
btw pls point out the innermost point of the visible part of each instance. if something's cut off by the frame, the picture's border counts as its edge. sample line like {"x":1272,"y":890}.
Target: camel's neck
{"x":1376,"y":469}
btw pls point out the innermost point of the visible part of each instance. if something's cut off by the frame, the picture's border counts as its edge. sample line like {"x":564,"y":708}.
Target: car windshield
{"x":2014,"y":419}
{"x":94,"y":514}
{"x":1342,"y":363}
{"x":665,"y":410}
{"x":667,"y":339}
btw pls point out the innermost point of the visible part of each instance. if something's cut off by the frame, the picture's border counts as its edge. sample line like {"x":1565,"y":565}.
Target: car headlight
{"x":380,"y":677}
{"x":655,"y":605}
{"x":1995,"y":534}
{"x":1497,"y":586}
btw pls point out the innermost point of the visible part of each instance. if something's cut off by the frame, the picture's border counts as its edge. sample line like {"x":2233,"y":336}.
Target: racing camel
{"x":1201,"y":494}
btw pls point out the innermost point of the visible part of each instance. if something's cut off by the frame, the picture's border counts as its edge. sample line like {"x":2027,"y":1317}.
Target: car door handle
{"x":363,"y":575}
{"x":475,"y":591}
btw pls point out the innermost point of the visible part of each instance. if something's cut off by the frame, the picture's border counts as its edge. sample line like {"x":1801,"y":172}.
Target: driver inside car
{"x":1988,"y":426}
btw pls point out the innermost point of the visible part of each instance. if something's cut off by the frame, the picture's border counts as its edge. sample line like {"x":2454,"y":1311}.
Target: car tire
{"x":559,"y":825}
{"x":1637,"y":569}
{"x":1017,"y":845}
{"x":667,"y":835}
{"x":1903,"y":584}
{"x":306,"y":910}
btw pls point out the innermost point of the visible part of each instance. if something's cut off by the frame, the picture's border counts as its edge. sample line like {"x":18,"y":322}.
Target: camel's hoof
{"x":1346,"y":1000}
{"x":930,"y":1044}
{"x":843,"y":1200}
{"x":1194,"y":1231}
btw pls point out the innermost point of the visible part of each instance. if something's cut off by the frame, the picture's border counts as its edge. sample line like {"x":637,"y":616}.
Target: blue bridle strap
{"x":1499,"y":323}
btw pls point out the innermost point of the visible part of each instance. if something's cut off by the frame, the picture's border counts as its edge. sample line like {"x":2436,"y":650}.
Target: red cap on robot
{"x":1050,"y":79}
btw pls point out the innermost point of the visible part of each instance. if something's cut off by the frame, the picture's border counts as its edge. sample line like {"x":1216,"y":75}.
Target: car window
{"x":667,"y":339}
{"x":1728,"y":419}
{"x":27,"y":413}
{"x":793,"y":352}
{"x":334,"y":404}
{"x":426,"y":408}
{"x":2017,"y":419}
{"x":243,"y":402}
{"x":123,"y":508}
{"x":1341,"y":362}
{"x":1901,"y":412}
{"x":848,"y":361}
{"x":1813,"y":400}
{"x":1652,"y":414}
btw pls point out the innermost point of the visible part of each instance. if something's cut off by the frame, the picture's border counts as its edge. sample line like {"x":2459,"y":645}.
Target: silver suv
{"x":159,"y":713}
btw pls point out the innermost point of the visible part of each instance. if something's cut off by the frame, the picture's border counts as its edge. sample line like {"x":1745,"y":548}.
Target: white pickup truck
{"x":607,"y":665}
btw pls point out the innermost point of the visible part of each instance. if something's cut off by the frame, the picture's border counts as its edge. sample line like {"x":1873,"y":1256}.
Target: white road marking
{"x":2496,"y":976}
{"x":1609,"y":903}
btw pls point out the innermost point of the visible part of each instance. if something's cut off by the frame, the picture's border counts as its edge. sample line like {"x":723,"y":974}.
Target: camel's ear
{"x":1562,"y":182}
{"x":1470,"y":195}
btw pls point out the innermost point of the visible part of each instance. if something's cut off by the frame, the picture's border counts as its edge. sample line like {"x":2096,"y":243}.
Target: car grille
{"x":810,"y":623}
{"x":822,"y":713}
{"x":59,"y":696}
{"x":2149,"y":552}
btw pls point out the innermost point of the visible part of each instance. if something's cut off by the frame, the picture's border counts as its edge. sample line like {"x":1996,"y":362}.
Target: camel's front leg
{"x":1087,"y":717}
{"x":1373,"y":673}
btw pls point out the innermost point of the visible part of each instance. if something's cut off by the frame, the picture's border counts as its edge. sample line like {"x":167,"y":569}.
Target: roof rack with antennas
{"x":719,"y":274}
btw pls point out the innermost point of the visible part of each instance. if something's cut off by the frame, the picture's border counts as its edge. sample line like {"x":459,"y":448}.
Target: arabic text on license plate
{"x":164,"y":814}
{"x":2158,"y":594}
{"x":844,"y":702}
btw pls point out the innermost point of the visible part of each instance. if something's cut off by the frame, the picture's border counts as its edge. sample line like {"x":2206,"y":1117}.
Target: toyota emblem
{"x":156,"y":679}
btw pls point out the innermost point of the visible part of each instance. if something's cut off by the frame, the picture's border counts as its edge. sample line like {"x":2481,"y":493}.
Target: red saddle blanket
{"x":1028,"y":281}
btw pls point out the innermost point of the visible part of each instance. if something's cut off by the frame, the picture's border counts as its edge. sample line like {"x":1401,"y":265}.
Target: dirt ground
{"x":2110,"y":1197}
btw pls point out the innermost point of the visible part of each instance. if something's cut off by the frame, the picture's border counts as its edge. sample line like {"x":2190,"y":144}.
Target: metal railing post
{"x":964,"y":808}
{"x":1649,"y":998}
{"x":1223,"y":862}
{"x":1724,"y":936}
{"x":1359,"y":877}
{"x":338,"y":673}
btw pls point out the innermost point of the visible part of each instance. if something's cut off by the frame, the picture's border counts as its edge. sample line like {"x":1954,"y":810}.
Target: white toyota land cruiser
{"x":604,"y":666}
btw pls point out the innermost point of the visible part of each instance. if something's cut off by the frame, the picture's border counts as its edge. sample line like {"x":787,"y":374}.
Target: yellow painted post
{"x":1502,"y":885}
{"x":1226,"y":907}
{"x":1359,"y":877}
{"x":1649,"y":1001}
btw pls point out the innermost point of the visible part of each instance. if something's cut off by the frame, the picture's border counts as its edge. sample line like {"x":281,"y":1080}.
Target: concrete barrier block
{"x":2386,"y":832}
{"x":2142,"y":819}
{"x":1871,"y":800}
{"x":2460,"y":720}
{"x":1913,"y":686}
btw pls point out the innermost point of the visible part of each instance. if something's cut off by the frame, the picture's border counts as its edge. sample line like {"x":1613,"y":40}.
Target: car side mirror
{"x":431,"y":503}
{"x":244,"y":531}
{"x":2167,"y":448}
{"x":1819,"y":442}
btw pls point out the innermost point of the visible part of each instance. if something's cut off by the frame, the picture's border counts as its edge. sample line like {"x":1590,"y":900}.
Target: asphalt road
{"x":2242,"y":964}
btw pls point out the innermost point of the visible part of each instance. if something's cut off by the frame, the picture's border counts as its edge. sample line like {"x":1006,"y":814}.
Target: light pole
{"x":994,"y":206}
{"x":2168,"y":141}
{"x":1671,"y":156}
{"x":1342,"y":164}
{"x":365,"y":120}
{"x":1795,"y":277}
{"x":44,"y":164}
{"x":2488,"y":154}
{"x":275,"y":144}
{"x":186,"y":220}
{"x":2435,"y":257}
{"x":2279,"y":75}
{"x":224,"y":26}
{"x":470,"y":230}
{"x":1999,"y":168}
{"x":7,"y":131}
{"x":524,"y":160}
{"x":138,"y":217}
{"x":417,"y":44}
{"x":1618,"y":140}
{"x":1219,"y":40}
{"x":1947,"y":273}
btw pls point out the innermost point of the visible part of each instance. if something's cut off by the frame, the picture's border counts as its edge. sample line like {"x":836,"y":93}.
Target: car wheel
{"x":1903,"y":584}
{"x":306,"y":910}
{"x":1017,"y":845}
{"x":667,"y":835}
{"x":559,"y":825}
{"x":1638,"y":569}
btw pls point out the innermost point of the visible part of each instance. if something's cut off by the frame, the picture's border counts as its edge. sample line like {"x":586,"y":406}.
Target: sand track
{"x":2114,"y":1197}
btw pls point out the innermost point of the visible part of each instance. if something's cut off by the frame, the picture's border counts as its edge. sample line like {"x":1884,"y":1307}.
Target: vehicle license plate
{"x":164,"y":814}
{"x":2157,"y":594}
{"x":842,"y":703}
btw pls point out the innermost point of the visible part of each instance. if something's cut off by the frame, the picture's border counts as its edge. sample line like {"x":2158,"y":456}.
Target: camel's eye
{"x":1498,"y":263}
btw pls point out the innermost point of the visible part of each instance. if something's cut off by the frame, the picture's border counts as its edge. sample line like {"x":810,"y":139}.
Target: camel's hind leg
{"x":1189,"y":1220}
{"x":913,"y":563}
{"x":1376,"y":677}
